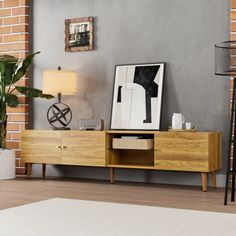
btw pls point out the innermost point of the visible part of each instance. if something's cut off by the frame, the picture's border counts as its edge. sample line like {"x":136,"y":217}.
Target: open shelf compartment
{"x":130,"y":152}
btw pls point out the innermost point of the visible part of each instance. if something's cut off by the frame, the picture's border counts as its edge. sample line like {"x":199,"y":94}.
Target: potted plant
{"x":12,"y":70}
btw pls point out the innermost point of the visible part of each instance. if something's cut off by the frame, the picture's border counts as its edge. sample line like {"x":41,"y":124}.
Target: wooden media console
{"x":154,"y":150}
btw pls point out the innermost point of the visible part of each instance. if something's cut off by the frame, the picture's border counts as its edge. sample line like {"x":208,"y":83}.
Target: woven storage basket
{"x":133,"y":144}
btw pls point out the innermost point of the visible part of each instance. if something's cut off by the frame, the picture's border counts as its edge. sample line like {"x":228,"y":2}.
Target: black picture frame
{"x":155,"y":73}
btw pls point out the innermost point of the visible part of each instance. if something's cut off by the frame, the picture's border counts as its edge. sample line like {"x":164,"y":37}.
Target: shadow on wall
{"x":89,"y":101}
{"x":168,"y":102}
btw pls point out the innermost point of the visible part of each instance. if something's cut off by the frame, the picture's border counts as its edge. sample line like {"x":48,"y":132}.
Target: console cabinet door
{"x":182,"y":151}
{"x":86,"y":148}
{"x":41,"y":146}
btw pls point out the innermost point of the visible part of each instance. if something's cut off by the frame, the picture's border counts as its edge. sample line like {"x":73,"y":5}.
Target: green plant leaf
{"x":11,"y":100}
{"x":32,"y":92}
{"x":2,"y":67}
{"x":10,"y":69}
{"x":21,"y":70}
{"x":8,"y":58}
{"x":2,"y":73}
{"x":7,"y":69}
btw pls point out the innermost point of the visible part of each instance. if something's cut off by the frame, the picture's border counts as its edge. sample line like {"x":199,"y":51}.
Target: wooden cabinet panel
{"x":64,"y":147}
{"x":83,"y":156}
{"x":41,"y":146}
{"x":214,"y":151}
{"x":83,"y":148}
{"x":83,"y":138}
{"x":185,"y":151}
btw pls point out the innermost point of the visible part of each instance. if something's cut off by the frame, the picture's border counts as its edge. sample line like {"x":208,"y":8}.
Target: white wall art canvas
{"x":137,"y":97}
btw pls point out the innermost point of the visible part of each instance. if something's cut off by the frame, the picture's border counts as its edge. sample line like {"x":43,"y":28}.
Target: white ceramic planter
{"x":7,"y":164}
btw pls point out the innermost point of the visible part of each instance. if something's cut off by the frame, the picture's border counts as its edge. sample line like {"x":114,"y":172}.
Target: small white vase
{"x":7,"y":164}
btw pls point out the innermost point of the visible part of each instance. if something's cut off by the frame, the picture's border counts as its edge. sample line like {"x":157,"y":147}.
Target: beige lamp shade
{"x":59,"y":81}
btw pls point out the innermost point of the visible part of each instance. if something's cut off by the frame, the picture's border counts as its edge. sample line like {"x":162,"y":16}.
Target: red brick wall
{"x":14,"y":40}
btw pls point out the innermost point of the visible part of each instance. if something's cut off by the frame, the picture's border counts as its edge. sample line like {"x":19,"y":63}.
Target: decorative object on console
{"x":224,"y":67}
{"x":59,"y":82}
{"x":132,"y":143}
{"x":79,"y":34}
{"x":91,"y":124}
{"x":137,"y":97}
{"x":11,"y":71}
{"x":188,"y":125}
{"x":177,"y":121}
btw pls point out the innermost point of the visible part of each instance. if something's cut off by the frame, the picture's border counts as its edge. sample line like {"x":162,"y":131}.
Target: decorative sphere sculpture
{"x":59,"y":115}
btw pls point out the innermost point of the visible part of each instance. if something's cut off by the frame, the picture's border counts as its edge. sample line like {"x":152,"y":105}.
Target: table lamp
{"x":225,"y":66}
{"x":59,"y":82}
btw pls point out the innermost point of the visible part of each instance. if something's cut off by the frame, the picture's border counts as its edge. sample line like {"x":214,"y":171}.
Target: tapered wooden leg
{"x":44,"y":170}
{"x":213,"y":179}
{"x":112,"y":175}
{"x":204,"y":181}
{"x":29,"y":169}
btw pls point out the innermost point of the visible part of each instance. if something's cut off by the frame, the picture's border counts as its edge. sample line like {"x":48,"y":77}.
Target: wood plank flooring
{"x":22,"y":191}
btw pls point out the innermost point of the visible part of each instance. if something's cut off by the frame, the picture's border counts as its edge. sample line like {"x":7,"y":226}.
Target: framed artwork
{"x":79,"y":34}
{"x":137,"y":97}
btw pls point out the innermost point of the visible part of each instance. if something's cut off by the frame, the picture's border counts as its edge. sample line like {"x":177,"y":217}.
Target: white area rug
{"x":65,"y":217}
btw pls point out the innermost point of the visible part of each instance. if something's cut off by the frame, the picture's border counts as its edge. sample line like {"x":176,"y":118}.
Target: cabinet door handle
{"x":64,"y":147}
{"x":58,"y":146}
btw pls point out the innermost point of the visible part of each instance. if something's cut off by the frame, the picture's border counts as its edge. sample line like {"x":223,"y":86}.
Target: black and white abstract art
{"x":137,"y":97}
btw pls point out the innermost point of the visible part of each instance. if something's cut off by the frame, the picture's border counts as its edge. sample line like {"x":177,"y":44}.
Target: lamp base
{"x":59,"y":116}
{"x":62,"y":128}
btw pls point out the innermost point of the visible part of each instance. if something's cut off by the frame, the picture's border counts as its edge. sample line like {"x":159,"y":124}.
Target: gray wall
{"x":179,"y":32}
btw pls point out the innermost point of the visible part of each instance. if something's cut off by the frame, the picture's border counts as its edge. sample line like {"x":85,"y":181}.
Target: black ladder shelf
{"x":231,"y":162}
